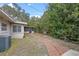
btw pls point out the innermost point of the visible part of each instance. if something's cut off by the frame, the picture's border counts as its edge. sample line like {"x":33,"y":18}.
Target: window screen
{"x":16,"y":28}
{"x":3,"y":27}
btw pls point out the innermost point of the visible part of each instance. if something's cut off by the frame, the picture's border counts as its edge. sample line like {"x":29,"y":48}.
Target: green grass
{"x":36,"y":48}
{"x":11,"y":49}
{"x":27,"y":46}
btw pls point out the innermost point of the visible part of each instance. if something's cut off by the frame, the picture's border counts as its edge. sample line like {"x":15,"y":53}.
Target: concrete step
{"x":71,"y":53}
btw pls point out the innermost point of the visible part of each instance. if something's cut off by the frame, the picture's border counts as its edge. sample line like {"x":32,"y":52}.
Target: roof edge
{"x":18,"y":22}
{"x":7,"y":16}
{"x":11,"y":20}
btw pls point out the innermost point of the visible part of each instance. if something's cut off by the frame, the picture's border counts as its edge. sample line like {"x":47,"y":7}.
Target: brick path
{"x":54,"y":48}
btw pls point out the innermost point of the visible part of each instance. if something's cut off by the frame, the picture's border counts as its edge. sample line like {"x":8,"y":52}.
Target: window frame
{"x":17,"y":28}
{"x":3,"y":27}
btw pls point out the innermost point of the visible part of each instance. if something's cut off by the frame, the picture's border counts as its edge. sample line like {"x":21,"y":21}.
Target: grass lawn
{"x":25,"y":47}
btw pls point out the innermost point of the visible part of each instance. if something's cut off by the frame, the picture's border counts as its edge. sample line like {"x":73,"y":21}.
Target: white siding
{"x":17,"y":34}
{"x":7,"y":32}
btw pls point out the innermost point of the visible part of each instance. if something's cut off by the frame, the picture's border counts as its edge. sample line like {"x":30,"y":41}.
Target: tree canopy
{"x":16,"y":13}
{"x":62,"y":21}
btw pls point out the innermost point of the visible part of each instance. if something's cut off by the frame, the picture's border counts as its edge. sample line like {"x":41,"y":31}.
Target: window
{"x":19,"y":28}
{"x":3,"y":27}
{"x":16,"y":28}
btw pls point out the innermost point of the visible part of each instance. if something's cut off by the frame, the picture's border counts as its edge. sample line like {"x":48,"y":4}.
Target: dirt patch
{"x":54,"y":46}
{"x":54,"y":49}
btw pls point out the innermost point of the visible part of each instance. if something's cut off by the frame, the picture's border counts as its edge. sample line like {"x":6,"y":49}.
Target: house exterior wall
{"x":17,"y":34}
{"x":8,"y":31}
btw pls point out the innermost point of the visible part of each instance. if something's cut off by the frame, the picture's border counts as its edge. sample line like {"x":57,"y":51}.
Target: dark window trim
{"x":17,"y":28}
{"x":3,"y":27}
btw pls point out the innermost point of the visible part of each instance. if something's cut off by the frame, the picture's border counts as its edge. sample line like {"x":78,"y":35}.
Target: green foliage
{"x":62,"y":21}
{"x":35,"y":23}
{"x":16,"y":13}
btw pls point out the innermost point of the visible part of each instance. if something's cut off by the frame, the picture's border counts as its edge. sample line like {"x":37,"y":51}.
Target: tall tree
{"x":61,"y":21}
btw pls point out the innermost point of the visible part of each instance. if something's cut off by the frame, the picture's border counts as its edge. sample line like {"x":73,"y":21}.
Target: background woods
{"x":60,"y":21}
